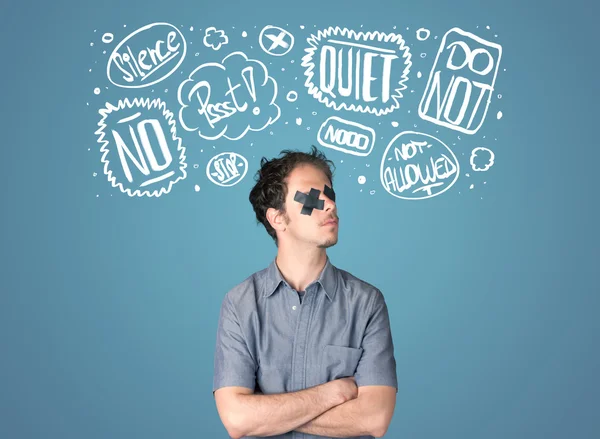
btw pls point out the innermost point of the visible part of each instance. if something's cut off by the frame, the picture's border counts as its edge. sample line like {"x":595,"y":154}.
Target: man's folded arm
{"x":365,"y":415}
{"x":244,"y":413}
{"x":371,"y":412}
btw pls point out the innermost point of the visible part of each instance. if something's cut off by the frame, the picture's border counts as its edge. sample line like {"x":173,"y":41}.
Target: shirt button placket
{"x":300,"y":347}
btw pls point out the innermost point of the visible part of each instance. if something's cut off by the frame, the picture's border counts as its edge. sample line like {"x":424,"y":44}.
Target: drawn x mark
{"x":277,"y":41}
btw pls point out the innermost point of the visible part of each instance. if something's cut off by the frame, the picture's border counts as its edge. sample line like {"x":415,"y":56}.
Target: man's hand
{"x":347,"y":388}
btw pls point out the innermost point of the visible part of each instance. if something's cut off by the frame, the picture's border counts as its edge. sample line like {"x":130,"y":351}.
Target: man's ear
{"x":276,"y":219}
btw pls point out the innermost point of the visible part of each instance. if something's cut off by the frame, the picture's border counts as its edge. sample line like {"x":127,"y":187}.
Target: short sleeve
{"x":234,"y":365}
{"x":377,"y":365}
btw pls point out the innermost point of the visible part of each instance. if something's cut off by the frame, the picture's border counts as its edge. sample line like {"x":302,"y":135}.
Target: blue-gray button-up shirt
{"x":268,"y":339}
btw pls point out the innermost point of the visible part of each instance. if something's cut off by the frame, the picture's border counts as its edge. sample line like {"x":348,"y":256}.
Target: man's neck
{"x":301,"y":267}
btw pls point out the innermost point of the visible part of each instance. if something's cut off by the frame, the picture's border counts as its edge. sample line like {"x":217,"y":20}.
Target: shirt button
{"x":294,"y":307}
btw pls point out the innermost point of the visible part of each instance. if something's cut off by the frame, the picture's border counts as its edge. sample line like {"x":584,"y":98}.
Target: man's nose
{"x":329,"y":203}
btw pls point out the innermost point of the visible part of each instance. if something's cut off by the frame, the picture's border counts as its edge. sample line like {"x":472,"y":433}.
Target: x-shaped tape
{"x":312,"y":201}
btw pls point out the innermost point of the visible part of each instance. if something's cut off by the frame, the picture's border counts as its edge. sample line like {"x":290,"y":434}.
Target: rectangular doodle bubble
{"x":461,"y":82}
{"x":345,"y":136}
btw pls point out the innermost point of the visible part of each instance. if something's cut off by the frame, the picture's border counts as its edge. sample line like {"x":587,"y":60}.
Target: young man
{"x":304,"y":349}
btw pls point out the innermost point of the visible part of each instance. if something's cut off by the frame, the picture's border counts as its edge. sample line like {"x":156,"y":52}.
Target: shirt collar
{"x":327,"y":279}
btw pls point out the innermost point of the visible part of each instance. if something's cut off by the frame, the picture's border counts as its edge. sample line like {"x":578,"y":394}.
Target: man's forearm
{"x":352,"y":418}
{"x":268,"y":415}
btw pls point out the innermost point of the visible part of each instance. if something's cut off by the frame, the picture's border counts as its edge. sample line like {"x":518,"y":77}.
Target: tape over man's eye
{"x":312,"y":201}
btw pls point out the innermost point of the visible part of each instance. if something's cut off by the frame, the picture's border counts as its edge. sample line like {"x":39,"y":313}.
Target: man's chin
{"x":328,"y":243}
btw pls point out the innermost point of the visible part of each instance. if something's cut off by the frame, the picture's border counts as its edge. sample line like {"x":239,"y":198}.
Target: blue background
{"x":109,"y":304}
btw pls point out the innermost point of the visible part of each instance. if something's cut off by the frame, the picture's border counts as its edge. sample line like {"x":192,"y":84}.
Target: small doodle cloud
{"x":215,"y":38}
{"x":481,"y":159}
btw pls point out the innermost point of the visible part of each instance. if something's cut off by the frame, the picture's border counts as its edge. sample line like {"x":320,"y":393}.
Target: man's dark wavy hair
{"x":270,"y":189}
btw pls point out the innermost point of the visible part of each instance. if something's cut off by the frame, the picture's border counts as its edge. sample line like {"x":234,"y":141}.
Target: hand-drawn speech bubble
{"x":345,"y":136}
{"x":227,"y":169}
{"x":139,"y":156}
{"x":228,"y":99}
{"x":146,"y":56}
{"x":461,"y":82}
{"x":358,"y":71}
{"x":416,"y":163}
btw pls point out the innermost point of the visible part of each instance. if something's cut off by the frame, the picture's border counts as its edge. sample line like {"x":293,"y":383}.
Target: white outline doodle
{"x":434,"y":165}
{"x":434,"y":83}
{"x":276,"y":41}
{"x":147,"y":104}
{"x":114,"y":54}
{"x":323,"y":35}
{"x":229,"y":169}
{"x":222,"y":34}
{"x":474,"y":154}
{"x":292,"y":96}
{"x":422,"y":34}
{"x":341,"y":138}
{"x":224,"y":130}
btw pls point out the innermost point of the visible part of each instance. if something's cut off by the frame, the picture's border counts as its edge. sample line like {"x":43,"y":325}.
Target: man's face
{"x":301,"y":226}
